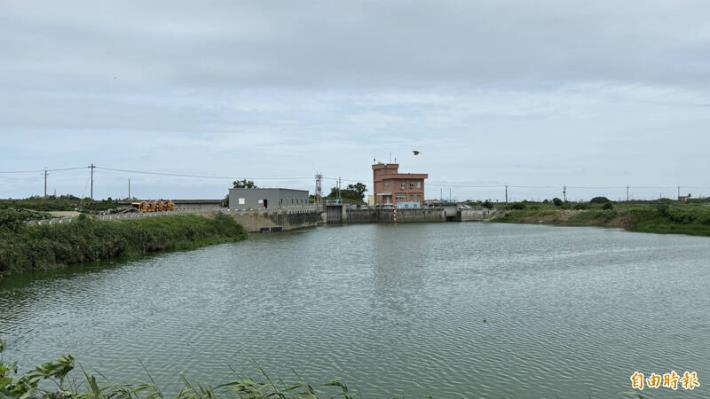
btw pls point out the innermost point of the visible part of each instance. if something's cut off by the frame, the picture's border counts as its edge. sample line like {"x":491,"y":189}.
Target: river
{"x":451,"y":310}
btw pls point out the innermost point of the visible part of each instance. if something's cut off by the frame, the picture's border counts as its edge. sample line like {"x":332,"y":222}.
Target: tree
{"x":599,"y":200}
{"x":359,"y":188}
{"x":244,"y":184}
{"x":557,"y":202}
{"x":353,"y":193}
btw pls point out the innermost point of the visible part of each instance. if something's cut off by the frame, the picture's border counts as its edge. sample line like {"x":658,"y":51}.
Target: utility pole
{"x":627,"y":193}
{"x":45,"y":182}
{"x":506,"y":193}
{"x":129,"y":188}
{"x":450,"y":200}
{"x":564,"y":193}
{"x":679,"y":193}
{"x":92,"y":167}
{"x":441,"y":194}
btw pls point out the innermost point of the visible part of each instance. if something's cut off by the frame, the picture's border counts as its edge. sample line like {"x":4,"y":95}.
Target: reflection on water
{"x":452,"y":310}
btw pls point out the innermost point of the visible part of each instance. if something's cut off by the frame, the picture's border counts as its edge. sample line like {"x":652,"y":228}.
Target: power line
{"x":21,"y":171}
{"x":191,"y":176}
{"x":8,"y":172}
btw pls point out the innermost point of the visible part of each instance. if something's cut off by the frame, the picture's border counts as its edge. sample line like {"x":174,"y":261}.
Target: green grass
{"x":25,"y":248}
{"x":661,"y":218}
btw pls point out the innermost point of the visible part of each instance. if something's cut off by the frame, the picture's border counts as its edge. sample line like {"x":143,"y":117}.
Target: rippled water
{"x":453,"y":310}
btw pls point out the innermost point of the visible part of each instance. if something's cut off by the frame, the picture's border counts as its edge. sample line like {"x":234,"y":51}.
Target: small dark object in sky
{"x":415,"y":152}
{"x":484,"y":320}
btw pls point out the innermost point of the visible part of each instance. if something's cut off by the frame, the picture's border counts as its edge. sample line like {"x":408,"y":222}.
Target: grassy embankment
{"x":59,"y":203}
{"x":25,"y":248}
{"x":663,"y":218}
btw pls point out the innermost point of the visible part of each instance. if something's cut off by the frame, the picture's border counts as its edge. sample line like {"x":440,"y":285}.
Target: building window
{"x":402,"y":185}
{"x":242,"y":201}
{"x":419,"y":184}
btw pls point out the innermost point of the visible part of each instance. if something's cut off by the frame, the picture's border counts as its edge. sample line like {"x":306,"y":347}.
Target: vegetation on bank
{"x":25,"y":248}
{"x":55,"y":380}
{"x":59,"y":203}
{"x":11,"y":218}
{"x":665,"y":217}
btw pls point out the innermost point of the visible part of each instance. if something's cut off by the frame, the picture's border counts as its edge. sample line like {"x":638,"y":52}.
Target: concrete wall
{"x":276,"y":198}
{"x":469,"y":215}
{"x":335,"y":214}
{"x":379,"y":215}
{"x":277,"y":220}
{"x":197,"y":206}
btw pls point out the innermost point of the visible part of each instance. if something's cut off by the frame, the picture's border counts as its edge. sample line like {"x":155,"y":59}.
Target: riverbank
{"x":25,"y":248}
{"x":690,"y":219}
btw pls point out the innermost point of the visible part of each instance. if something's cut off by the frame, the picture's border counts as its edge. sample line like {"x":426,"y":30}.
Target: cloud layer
{"x":536,"y":94}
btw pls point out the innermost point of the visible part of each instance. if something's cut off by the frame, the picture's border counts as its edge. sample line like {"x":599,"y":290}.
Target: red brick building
{"x":392,"y":188}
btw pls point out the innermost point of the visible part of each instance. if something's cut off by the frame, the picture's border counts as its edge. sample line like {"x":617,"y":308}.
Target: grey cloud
{"x":545,"y":92}
{"x":372,"y":44}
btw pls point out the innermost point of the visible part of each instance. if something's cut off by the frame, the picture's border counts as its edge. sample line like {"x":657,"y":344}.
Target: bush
{"x":599,"y":200}
{"x":557,"y":202}
{"x":607,"y":206}
{"x":518,"y":206}
{"x":86,"y":240}
{"x":580,"y":207}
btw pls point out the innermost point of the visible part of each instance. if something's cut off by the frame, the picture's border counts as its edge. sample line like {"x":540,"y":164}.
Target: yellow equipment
{"x":154,"y":206}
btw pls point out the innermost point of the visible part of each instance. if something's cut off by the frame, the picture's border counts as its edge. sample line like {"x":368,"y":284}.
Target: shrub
{"x":557,"y":202}
{"x":599,"y":200}
{"x":86,"y":240}
{"x":607,"y":206}
{"x":518,"y":206}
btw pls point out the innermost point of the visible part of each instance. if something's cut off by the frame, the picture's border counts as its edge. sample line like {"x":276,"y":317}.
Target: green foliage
{"x":61,"y":203}
{"x":599,"y":200}
{"x":660,"y":217}
{"x":518,"y":206}
{"x":557,"y":202}
{"x":359,"y":188}
{"x":14,"y":219}
{"x":49,"y":380}
{"x":244,"y":183}
{"x":353,"y":193}
{"x":87,"y":240}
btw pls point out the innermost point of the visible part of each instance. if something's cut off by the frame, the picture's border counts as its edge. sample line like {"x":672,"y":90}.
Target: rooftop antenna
{"x":390,"y":156}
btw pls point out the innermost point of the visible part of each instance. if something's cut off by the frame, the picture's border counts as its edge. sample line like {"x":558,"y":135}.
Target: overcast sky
{"x":526,"y":93}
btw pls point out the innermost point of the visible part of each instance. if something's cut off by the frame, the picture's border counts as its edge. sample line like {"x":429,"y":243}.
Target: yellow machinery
{"x":154,"y":206}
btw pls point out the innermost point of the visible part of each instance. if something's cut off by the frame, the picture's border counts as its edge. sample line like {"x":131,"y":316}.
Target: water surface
{"x":452,"y":310}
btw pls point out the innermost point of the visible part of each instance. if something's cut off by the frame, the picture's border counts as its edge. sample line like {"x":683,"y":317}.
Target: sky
{"x":596,"y":96}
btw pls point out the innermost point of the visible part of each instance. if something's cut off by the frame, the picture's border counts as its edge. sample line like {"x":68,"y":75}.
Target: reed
{"x":25,"y":248}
